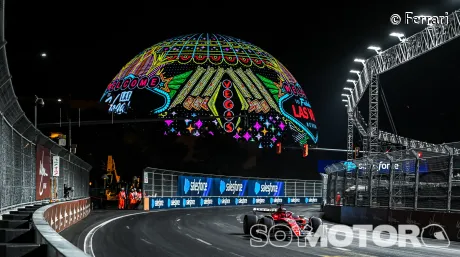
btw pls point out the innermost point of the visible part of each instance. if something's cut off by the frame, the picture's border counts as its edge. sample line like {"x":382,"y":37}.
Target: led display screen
{"x":204,"y":84}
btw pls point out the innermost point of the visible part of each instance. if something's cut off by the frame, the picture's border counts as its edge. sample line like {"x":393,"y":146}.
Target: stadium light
{"x":360,"y":60}
{"x":348,"y":89}
{"x":355,"y":72}
{"x":43,"y":54}
{"x":346,"y":105}
{"x":59,"y":100}
{"x":343,"y":100}
{"x":400,"y":36}
{"x":375,"y":48}
{"x":345,"y":95}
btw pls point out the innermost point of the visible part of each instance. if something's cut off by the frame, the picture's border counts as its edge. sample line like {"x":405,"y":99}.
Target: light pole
{"x":400,"y":36}
{"x":38,"y":101}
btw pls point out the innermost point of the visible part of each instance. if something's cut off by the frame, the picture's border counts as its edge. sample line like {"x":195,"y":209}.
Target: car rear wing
{"x":266,"y":210}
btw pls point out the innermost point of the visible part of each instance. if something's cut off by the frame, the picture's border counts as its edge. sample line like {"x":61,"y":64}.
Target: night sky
{"x":87,"y":45}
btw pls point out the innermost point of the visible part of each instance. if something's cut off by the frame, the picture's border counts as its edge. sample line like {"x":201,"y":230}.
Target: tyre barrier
{"x":51,"y":219}
{"x":348,"y":215}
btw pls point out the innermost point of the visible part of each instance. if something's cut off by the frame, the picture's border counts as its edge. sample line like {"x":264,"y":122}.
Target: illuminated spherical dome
{"x":204,"y":84}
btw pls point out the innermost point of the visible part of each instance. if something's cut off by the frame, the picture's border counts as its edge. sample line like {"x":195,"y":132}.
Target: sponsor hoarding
{"x":42,"y":173}
{"x":229,"y":187}
{"x":187,"y":202}
{"x":194,"y":186}
{"x":265,"y":188}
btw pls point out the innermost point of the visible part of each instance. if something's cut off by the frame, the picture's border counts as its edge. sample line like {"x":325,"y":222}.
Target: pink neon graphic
{"x":212,"y":133}
{"x":198,"y":124}
{"x":247,"y":136}
{"x":282,"y":126}
{"x":273,"y":139}
{"x":236,"y":136}
{"x":257,"y":126}
{"x":169,"y":122}
{"x":178,"y":134}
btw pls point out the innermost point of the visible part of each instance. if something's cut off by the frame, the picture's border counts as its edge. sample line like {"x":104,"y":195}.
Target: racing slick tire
{"x":248,"y":222}
{"x":315,"y":223}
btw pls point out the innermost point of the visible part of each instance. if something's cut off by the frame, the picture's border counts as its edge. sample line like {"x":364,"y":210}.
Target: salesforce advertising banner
{"x":194,"y":186}
{"x":263,"y":188}
{"x":229,"y":187}
{"x":384,"y":166}
{"x":189,"y":202}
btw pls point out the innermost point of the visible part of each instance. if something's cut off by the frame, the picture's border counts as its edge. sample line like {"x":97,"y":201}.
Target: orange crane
{"x":111,"y":187}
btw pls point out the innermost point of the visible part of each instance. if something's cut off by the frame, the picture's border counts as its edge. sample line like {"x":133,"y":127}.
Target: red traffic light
{"x":278,"y":148}
{"x":305,"y":150}
{"x":419,"y":154}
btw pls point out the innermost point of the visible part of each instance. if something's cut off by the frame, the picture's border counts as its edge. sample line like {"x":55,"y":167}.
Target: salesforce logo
{"x":293,"y":200}
{"x":258,"y":200}
{"x":188,"y":202}
{"x":159,"y":203}
{"x":241,"y":201}
{"x":265,"y":188}
{"x":230,"y":187}
{"x":223,"y":201}
{"x":195,"y":186}
{"x":311,"y":200}
{"x":173,"y":202}
{"x":276,"y":200}
{"x":206,"y":201}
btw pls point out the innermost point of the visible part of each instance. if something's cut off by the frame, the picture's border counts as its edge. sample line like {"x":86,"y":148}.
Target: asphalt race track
{"x":218,"y":232}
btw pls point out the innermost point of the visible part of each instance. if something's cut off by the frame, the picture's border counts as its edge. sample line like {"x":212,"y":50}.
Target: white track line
{"x":204,"y":242}
{"x":146,"y":241}
{"x":88,"y":244}
{"x":343,"y":249}
{"x":178,"y":220}
{"x":236,"y":254}
{"x":127,"y":227}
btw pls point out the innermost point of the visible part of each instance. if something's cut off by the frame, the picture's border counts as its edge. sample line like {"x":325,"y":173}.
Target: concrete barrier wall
{"x":347,"y":215}
{"x":49,"y":220}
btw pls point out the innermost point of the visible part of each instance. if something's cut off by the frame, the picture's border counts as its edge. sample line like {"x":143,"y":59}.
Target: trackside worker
{"x":337,"y":199}
{"x":139,"y":195}
{"x":132,"y":198}
{"x":121,"y":199}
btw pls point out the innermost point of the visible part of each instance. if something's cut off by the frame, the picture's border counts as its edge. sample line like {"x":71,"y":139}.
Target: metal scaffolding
{"x":417,"y":179}
{"x":408,"y":49}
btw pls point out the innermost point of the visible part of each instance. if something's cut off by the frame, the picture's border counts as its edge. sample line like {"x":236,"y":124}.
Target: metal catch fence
{"x":18,"y":141}
{"x":417,"y":179}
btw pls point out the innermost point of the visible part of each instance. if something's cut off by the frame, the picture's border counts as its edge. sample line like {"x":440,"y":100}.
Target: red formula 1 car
{"x":279,"y":219}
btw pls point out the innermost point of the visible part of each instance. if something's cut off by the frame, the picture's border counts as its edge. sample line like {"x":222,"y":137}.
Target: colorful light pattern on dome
{"x":203,"y":84}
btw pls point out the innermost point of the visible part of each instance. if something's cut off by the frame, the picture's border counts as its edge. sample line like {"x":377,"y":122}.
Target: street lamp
{"x":355,"y":72}
{"x":375,"y":48}
{"x":59,"y":100}
{"x":400,"y":36}
{"x":360,"y":60}
{"x":38,"y":101}
{"x":43,"y":55}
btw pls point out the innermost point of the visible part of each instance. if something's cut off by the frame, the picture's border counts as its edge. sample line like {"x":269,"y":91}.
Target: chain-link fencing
{"x":18,"y":141}
{"x":417,"y":179}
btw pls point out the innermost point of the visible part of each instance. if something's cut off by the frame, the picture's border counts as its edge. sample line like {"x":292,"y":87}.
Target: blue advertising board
{"x":229,"y":187}
{"x":194,"y":186}
{"x":190,"y":202}
{"x":383,"y":167}
{"x":264,"y":188}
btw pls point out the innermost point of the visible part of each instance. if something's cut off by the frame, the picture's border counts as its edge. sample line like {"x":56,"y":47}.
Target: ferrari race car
{"x":279,"y":219}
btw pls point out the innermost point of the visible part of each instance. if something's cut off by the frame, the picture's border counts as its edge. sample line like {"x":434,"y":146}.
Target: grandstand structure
{"x":368,"y":79}
{"x":422,"y":175}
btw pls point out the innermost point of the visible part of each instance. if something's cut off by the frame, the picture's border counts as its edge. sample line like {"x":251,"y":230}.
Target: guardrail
{"x":49,"y":220}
